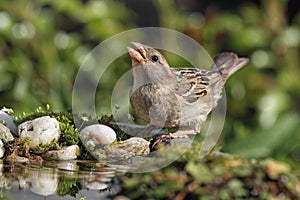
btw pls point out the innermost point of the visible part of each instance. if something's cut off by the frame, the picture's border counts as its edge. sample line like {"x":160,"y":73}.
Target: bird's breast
{"x":156,"y":103}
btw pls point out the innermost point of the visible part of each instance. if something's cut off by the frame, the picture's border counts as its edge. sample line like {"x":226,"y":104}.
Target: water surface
{"x":58,"y":180}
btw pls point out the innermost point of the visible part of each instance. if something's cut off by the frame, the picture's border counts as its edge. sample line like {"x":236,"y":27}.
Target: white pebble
{"x":66,"y":153}
{"x":98,"y":134}
{"x":9,"y":122}
{"x":5,"y":134}
{"x":41,"y":130}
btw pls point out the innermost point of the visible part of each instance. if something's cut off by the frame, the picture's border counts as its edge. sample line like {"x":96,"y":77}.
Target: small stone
{"x":66,"y":153}
{"x":134,"y":146}
{"x":40,"y":131}
{"x":16,"y":158}
{"x":137,"y":145}
{"x":5,"y":134}
{"x":111,"y":152}
{"x":97,"y":134}
{"x":2,"y":149}
{"x":8,"y":122}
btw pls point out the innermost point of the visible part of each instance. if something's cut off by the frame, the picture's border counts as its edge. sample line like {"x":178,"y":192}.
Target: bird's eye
{"x":154,"y":58}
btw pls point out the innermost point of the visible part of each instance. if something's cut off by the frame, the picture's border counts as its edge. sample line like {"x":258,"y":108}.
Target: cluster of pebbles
{"x":41,"y":132}
{"x":38,"y":134}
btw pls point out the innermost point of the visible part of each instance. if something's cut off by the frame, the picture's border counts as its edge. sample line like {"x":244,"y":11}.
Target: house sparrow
{"x":177,"y":97}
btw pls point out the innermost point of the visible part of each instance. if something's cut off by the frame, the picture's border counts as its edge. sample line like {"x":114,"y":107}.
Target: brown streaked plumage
{"x":177,"y":97}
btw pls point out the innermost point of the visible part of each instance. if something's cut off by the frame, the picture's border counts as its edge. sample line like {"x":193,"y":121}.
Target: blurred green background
{"x":43,"y":43}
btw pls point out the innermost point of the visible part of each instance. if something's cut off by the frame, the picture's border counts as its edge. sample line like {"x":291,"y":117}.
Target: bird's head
{"x":149,"y":65}
{"x":145,"y":55}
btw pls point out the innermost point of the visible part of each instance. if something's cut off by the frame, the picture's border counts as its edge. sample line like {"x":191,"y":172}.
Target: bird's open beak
{"x":138,"y":54}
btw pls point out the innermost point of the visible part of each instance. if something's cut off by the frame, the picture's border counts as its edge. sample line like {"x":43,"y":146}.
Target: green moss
{"x":69,"y":134}
{"x":46,"y":147}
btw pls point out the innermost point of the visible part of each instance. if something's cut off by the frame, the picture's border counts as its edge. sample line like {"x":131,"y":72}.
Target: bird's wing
{"x":192,"y":83}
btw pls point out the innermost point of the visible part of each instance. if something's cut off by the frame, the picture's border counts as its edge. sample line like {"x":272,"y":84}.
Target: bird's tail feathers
{"x":228,"y":63}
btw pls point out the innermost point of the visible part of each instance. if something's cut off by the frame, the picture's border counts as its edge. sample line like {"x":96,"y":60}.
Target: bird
{"x":181,"y":98}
